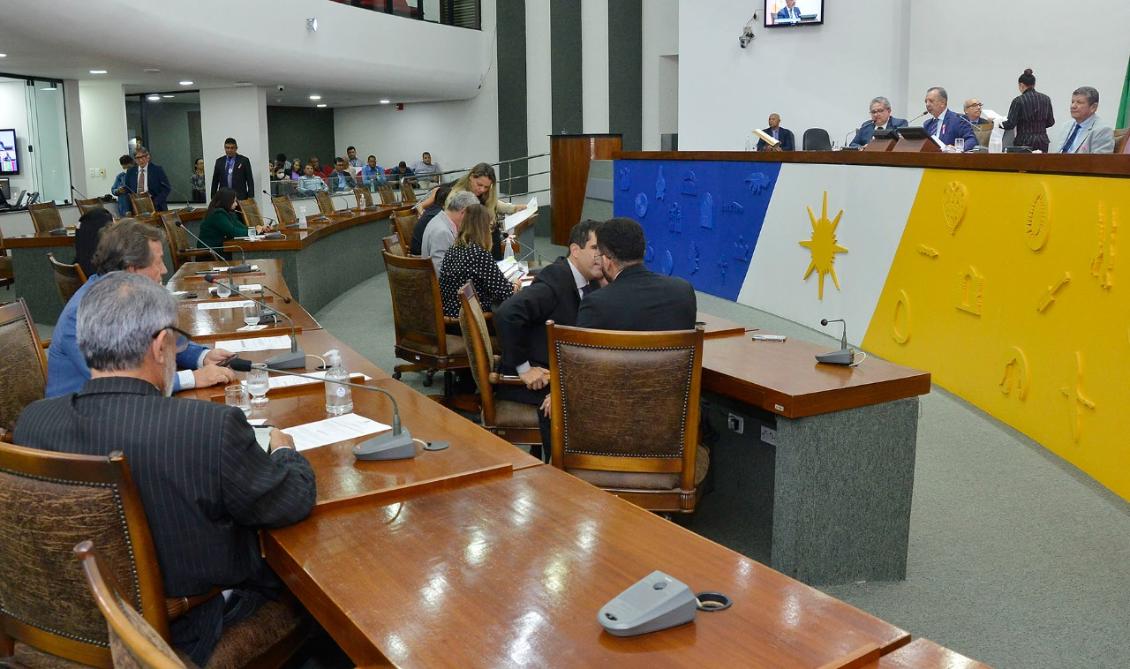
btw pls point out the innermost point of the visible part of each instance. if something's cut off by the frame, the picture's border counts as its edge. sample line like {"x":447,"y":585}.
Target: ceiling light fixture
{"x":153,"y":98}
{"x":168,"y":96}
{"x":312,"y":24}
{"x":315,"y":97}
{"x":48,"y":88}
{"x":320,"y":105}
{"x":3,"y":55}
{"x":186,"y":82}
{"x":152,"y":70}
{"x":98,"y":71}
{"x":385,"y":101}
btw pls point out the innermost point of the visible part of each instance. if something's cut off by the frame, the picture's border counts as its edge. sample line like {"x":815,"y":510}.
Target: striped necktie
{"x":1071,"y":139}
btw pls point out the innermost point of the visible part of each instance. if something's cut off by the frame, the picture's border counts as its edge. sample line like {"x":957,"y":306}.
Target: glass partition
{"x":33,"y":110}
{"x":168,"y":124}
{"x":459,"y":13}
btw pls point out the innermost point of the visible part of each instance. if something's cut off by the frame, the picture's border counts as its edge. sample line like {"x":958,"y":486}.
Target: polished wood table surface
{"x":925,"y":654}
{"x":316,"y":228}
{"x":716,"y":326}
{"x":44,"y":240}
{"x":511,"y":571}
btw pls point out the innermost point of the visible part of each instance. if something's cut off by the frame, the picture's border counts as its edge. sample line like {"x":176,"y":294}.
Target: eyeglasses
{"x":877,"y":111}
{"x":975,"y":104}
{"x":181,"y":340}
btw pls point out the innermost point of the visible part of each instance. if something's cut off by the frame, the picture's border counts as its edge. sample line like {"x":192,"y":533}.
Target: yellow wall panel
{"x":1010,"y":289}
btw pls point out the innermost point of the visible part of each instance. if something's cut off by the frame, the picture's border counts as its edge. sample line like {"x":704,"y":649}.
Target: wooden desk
{"x":925,"y":654}
{"x":511,"y":571}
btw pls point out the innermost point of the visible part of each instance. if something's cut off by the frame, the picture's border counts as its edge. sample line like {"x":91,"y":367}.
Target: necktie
{"x":1071,"y":139}
{"x":586,"y":289}
{"x":231,"y":166}
{"x":141,"y":181}
{"x":937,"y":127}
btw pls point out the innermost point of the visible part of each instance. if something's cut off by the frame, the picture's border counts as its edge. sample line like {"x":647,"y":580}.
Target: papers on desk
{"x":277,"y":382}
{"x":513,"y":220}
{"x":244,"y":288}
{"x":254,"y":268}
{"x":230,"y":304}
{"x":255,"y":344}
{"x":251,"y":328}
{"x":512,"y":269}
{"x":333,"y":430}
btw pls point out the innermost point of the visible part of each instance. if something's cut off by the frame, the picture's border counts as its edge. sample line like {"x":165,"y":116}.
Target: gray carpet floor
{"x":1016,"y":558}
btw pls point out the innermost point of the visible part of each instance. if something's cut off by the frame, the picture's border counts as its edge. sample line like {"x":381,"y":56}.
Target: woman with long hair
{"x":482,"y":182}
{"x":221,"y":222}
{"x":469,"y":259}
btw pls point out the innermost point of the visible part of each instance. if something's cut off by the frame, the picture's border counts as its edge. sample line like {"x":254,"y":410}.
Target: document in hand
{"x":766,"y":137}
{"x":512,"y":269}
{"x":512,"y":221}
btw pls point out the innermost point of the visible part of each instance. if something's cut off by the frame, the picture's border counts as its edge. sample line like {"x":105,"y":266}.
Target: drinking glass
{"x":959,"y":145}
{"x":251,"y":313}
{"x":236,"y":396}
{"x":222,"y":291}
{"x":257,"y":384}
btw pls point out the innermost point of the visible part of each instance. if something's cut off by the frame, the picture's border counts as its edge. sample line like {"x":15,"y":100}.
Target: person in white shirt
{"x":1087,"y":133}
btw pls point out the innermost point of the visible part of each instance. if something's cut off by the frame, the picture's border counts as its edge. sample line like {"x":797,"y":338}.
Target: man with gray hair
{"x":129,"y":246}
{"x":944,"y":125}
{"x":1087,"y":132}
{"x":205,"y":483}
{"x":442,"y":229}
{"x":881,"y":119}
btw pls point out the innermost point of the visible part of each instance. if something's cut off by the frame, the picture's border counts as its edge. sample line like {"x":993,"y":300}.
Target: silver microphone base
{"x":288,"y":360}
{"x":386,"y":446}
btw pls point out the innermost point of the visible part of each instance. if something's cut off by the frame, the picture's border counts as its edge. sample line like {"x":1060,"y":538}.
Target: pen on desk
{"x":752,"y":329}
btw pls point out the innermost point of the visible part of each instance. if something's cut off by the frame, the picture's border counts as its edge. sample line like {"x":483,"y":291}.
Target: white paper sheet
{"x":251,"y":328}
{"x":254,"y":268}
{"x":517,"y":217}
{"x":289,"y":381}
{"x":333,"y":430}
{"x":232,"y":304}
{"x":245,"y":288}
{"x":255,"y":344}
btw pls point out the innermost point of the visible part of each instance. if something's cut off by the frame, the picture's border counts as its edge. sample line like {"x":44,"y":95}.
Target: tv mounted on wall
{"x":792,"y":13}
{"x":9,"y":155}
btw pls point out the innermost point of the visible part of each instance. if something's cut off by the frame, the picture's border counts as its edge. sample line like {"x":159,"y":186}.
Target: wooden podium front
{"x":916,"y":145}
{"x":880,"y":145}
{"x":569,"y":157}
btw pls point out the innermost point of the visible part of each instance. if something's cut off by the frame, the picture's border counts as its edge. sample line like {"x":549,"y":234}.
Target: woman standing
{"x":199,"y":192}
{"x":1031,"y":114}
{"x":469,"y":259}
{"x":221,"y":222}
{"x":480,"y":181}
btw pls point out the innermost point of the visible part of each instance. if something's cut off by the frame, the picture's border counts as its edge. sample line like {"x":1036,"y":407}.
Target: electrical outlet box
{"x":102,"y":172}
{"x":736,"y":423}
{"x":768,"y":435}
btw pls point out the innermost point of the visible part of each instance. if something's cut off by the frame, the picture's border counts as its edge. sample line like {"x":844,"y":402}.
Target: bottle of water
{"x":508,"y":248}
{"x":339,"y":398}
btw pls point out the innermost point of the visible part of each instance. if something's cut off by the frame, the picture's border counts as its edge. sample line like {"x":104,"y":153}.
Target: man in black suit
{"x":233,"y":171}
{"x":205,"y":483}
{"x":782,"y":135}
{"x":148,"y":177}
{"x":635,"y":298}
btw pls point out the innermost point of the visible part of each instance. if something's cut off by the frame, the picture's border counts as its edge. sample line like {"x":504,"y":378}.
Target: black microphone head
{"x":239,"y":364}
{"x":823,"y":321}
{"x":210,"y":278}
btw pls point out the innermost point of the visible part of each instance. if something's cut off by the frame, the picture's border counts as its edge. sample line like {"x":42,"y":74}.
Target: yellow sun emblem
{"x":823,"y":245}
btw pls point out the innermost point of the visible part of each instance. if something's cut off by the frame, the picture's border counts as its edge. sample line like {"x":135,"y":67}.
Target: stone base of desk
{"x":842,"y":485}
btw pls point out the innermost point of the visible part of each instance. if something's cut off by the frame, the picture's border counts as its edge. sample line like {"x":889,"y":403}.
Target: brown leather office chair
{"x":249,"y":208}
{"x":45,"y":217}
{"x":7,"y":274}
{"x":636,"y":436}
{"x":391,"y":244}
{"x":68,"y":278}
{"x":87,"y":206}
{"x":421,"y":329}
{"x":50,"y":501}
{"x":134,"y":643}
{"x":404,"y":224}
{"x":23,"y":365}
{"x":142,"y":204}
{"x":513,"y":421}
{"x":387,"y":196}
{"x":325,"y":203}
{"x":407,"y":192}
{"x":364,"y":198}
{"x":179,"y":248}
{"x":284,"y":210}
{"x":1121,"y":143}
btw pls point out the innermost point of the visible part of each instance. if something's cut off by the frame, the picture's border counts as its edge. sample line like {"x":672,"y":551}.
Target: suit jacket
{"x":520,"y":320}
{"x":1099,"y":139}
{"x":205,"y":483}
{"x":242,"y":180}
{"x":158,"y":185}
{"x":784,"y":13}
{"x":954,"y":125}
{"x":867,"y":130}
{"x":640,"y":300}
{"x":785,"y":136}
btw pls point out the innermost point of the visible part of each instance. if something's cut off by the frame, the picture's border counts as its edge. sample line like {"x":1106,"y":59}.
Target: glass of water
{"x":257,"y":384}
{"x":222,"y":291}
{"x":236,"y":395}
{"x":251,"y":313}
{"x":959,"y":145}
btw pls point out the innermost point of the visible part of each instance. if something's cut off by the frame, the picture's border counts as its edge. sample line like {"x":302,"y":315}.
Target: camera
{"x":280,"y":88}
{"x":746,"y":37}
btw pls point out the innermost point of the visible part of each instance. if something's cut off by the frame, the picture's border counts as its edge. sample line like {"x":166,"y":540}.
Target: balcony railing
{"x":459,"y":13}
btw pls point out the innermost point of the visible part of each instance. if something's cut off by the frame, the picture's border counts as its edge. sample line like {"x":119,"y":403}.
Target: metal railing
{"x":458,"y":13}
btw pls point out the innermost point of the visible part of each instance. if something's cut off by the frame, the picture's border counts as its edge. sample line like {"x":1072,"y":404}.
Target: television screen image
{"x":789,"y":13}
{"x":9,"y":156}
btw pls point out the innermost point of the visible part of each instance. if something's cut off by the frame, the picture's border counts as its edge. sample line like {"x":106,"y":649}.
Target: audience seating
{"x":391,"y":244}
{"x":640,"y":445}
{"x":816,"y":139}
{"x":23,"y":366}
{"x":513,"y":421}
{"x":45,"y":217}
{"x":142,"y":204}
{"x":68,"y":278}
{"x":284,"y":210}
{"x":421,"y":328}
{"x":87,"y":206}
{"x":407,"y":191}
{"x":364,"y":198}
{"x":179,"y":249}
{"x":404,"y":224}
{"x":249,"y":208}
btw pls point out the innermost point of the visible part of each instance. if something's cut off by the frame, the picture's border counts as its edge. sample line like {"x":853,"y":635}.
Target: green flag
{"x":1124,"y":101}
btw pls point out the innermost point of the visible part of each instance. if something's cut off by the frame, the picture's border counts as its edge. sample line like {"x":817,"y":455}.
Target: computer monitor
{"x":778,"y":13}
{"x":9,"y":153}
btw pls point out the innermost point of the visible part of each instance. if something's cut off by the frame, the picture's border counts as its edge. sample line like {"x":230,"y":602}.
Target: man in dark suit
{"x":148,"y":177}
{"x":782,"y":135}
{"x":945,"y":124}
{"x":205,"y":483}
{"x":635,"y":298}
{"x":881,"y":119}
{"x":233,"y":171}
{"x":789,"y":13}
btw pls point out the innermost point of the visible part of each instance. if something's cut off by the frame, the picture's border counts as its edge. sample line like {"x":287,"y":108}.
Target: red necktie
{"x":141,"y":182}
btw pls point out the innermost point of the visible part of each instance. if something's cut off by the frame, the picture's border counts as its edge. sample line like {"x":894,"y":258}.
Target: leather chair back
{"x":45,"y":217}
{"x":391,"y":245}
{"x":142,"y":204}
{"x":177,"y":238}
{"x":284,"y":210}
{"x":325,"y":202}
{"x":387,"y":196}
{"x":251,"y":216}
{"x":407,"y":192}
{"x":417,"y":307}
{"x":816,"y":139}
{"x":364,"y":198}
{"x":68,"y":278}
{"x":23,"y":366}
{"x":405,"y":224}
{"x":87,"y":206}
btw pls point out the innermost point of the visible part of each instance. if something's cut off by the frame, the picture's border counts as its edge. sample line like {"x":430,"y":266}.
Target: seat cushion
{"x":245,"y":641}
{"x":455,"y":346}
{"x":643,"y":480}
{"x":515,"y":414}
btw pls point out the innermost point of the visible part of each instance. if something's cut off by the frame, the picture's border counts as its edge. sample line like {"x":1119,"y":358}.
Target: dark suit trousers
{"x":533,"y":397}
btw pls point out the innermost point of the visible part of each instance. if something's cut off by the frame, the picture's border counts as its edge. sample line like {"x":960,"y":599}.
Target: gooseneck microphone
{"x":293,"y":359}
{"x":395,"y":445}
{"x":241,"y":268}
{"x":844,"y":356}
{"x":925,"y":113}
{"x":75,"y":191}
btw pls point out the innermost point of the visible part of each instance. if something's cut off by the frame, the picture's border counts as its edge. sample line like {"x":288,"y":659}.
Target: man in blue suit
{"x":789,"y":13}
{"x":881,"y":119}
{"x":782,"y":135}
{"x":147,"y":177}
{"x":945,"y":124}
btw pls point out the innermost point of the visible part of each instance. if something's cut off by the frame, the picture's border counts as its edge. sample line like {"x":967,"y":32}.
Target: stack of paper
{"x":512,"y":269}
{"x":333,"y":430}
{"x":512,"y":221}
{"x":255,"y":344}
{"x":230,"y":304}
{"x":276,"y":382}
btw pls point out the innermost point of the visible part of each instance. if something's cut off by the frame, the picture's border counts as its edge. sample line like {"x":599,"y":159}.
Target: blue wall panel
{"x":702,"y":218}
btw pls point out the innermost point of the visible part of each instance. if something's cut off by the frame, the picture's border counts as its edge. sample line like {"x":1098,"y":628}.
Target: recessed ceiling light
{"x":168,"y":96}
{"x":3,"y":55}
{"x":152,"y":70}
{"x":153,"y":98}
{"x":320,"y":105}
{"x":315,"y":97}
{"x":98,"y":71}
{"x":47,"y":88}
{"x":242,"y":83}
{"x":186,"y":82}
{"x":384,"y":101}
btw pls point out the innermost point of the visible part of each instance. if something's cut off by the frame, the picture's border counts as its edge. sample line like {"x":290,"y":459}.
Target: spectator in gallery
{"x":352,"y":159}
{"x":426,"y":169}
{"x":310,"y":182}
{"x":319,"y":169}
{"x":402,"y":171}
{"x":296,"y":169}
{"x":199,"y":182}
{"x":342,"y":178}
{"x":782,"y":135}
{"x":372,"y":174}
{"x":119,"y":187}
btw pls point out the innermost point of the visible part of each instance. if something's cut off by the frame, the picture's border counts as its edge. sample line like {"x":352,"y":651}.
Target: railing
{"x":458,"y":13}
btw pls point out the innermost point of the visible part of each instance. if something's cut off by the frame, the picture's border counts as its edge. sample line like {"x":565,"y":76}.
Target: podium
{"x":569,"y":157}
{"x":915,"y":140}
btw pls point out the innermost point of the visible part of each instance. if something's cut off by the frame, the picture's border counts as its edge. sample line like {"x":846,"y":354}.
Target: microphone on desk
{"x":925,"y":113}
{"x":395,"y":445}
{"x":75,"y":191}
{"x":293,"y":359}
{"x":241,"y":268}
{"x":844,"y":356}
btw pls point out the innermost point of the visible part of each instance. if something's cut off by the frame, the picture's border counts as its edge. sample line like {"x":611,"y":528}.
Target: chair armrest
{"x":497,"y":379}
{"x":45,"y":343}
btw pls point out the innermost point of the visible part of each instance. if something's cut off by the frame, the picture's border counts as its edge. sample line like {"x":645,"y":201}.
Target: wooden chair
{"x":387,"y":196}
{"x":23,"y":365}
{"x":7,"y":274}
{"x":391,"y":244}
{"x":49,"y":501}
{"x":325,"y":203}
{"x":407,"y":192}
{"x":179,"y":248}
{"x":68,"y":278}
{"x":636,"y":437}
{"x":45,"y":217}
{"x":404,"y":224}
{"x":142,"y":204}
{"x":87,"y":206}
{"x":1121,"y":145}
{"x":284,"y":210}
{"x":249,"y":208}
{"x":134,"y":642}
{"x":421,"y":329}
{"x":513,"y":421}
{"x":364,"y":198}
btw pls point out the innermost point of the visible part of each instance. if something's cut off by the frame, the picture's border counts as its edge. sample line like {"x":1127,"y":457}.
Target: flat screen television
{"x":9,"y":155}
{"x":792,"y":13}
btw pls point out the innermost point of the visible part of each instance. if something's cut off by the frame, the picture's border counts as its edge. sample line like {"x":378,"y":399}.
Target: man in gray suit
{"x":1087,"y":133}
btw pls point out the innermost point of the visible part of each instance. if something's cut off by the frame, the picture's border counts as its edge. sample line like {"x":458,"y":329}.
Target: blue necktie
{"x":1071,"y":139}
{"x":231,"y":163}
